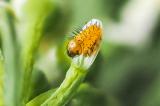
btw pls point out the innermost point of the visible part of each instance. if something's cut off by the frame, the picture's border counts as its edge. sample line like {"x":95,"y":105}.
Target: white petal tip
{"x":93,"y":22}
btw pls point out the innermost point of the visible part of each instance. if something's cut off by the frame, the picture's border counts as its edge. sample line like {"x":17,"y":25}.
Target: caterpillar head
{"x":73,"y":48}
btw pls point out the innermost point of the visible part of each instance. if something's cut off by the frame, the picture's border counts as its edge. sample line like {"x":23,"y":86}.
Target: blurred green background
{"x":126,"y":72}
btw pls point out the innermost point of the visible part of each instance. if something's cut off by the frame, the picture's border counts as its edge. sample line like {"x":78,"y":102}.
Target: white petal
{"x":93,"y":22}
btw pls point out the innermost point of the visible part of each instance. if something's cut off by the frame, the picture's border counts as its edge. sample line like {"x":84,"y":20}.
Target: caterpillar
{"x":86,"y":40}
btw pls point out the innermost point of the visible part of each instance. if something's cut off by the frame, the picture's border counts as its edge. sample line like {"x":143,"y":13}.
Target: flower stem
{"x":64,"y":93}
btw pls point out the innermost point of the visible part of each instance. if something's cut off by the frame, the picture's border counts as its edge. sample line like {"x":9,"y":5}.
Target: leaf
{"x":37,"y":101}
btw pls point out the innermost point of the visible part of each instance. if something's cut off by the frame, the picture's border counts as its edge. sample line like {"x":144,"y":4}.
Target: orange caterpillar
{"x":87,"y":40}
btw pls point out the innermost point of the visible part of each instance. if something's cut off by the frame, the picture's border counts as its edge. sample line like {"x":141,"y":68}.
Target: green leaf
{"x":1,"y":79}
{"x":37,"y":101}
{"x":32,"y":20}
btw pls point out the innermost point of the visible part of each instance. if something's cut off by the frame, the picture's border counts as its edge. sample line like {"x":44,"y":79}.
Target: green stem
{"x":64,"y":93}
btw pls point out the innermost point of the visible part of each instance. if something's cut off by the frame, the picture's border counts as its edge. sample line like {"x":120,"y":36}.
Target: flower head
{"x":85,"y":45}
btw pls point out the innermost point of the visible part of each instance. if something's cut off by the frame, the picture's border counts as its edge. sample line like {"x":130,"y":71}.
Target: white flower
{"x":85,"y":61}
